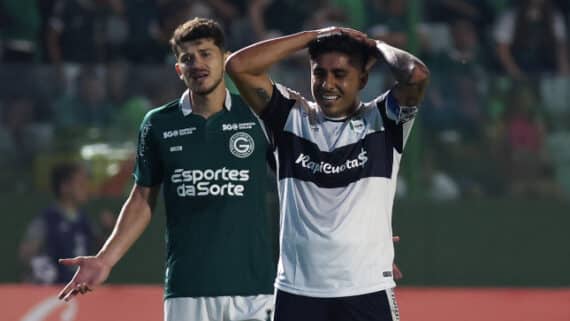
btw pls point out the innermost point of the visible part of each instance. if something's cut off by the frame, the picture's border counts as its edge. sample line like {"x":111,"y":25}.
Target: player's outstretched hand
{"x":92,"y":271}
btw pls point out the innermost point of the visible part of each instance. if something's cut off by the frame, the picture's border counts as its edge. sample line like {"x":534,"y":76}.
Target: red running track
{"x":141,"y":303}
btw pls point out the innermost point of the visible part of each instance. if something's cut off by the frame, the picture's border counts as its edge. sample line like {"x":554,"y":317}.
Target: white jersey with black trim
{"x":337,"y":181}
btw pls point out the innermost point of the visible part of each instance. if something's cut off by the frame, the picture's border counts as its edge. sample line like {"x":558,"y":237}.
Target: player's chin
{"x":327,"y":104}
{"x":202,"y":89}
{"x":330,"y":108}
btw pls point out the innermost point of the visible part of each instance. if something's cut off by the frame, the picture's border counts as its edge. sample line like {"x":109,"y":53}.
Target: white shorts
{"x":221,"y":308}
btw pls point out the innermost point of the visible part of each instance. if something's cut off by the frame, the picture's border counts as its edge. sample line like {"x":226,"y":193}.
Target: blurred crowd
{"x":496,"y":120}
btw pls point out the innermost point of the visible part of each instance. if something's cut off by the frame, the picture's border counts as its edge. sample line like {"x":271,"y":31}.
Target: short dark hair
{"x":194,"y":29}
{"x":343,"y":44}
{"x":61,"y":174}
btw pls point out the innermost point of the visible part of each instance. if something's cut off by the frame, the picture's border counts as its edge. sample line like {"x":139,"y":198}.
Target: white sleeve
{"x":505,"y":28}
{"x":559,"y":28}
{"x":397,"y":112}
{"x":398,"y":119}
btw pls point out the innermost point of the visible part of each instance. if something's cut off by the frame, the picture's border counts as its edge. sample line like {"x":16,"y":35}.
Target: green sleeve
{"x":148,"y":166}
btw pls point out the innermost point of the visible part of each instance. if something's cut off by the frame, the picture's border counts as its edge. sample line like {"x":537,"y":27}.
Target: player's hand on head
{"x":92,"y":271}
{"x":337,"y":31}
{"x":353,"y":33}
{"x":356,"y":34}
{"x":328,"y":32}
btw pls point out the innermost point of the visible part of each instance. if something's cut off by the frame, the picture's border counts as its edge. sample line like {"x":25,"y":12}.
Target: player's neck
{"x":344,"y":113}
{"x":209,"y":104}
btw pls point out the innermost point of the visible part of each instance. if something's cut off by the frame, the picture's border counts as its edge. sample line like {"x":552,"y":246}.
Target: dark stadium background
{"x":484,"y":194}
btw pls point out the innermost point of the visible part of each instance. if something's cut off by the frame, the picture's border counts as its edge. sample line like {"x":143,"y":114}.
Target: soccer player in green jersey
{"x":208,"y":152}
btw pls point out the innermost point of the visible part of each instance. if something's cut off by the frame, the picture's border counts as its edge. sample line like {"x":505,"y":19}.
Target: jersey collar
{"x":186,"y":106}
{"x":343,"y":118}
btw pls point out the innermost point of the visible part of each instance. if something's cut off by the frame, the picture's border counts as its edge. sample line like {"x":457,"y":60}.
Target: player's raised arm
{"x":133,"y":219}
{"x":411,"y":74}
{"x":249,"y":66}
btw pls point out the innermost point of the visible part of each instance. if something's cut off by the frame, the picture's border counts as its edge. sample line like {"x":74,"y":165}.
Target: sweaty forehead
{"x":334,"y":60}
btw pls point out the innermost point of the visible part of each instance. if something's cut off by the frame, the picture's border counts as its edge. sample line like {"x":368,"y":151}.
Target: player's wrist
{"x":327,"y":32}
{"x":106,"y":260}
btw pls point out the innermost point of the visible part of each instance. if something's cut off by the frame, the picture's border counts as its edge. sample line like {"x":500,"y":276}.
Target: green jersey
{"x":213,"y":172}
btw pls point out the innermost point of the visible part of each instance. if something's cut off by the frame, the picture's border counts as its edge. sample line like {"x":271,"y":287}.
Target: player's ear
{"x":179,"y":71}
{"x":363,"y":80}
{"x":227,"y":53}
{"x":370,"y":63}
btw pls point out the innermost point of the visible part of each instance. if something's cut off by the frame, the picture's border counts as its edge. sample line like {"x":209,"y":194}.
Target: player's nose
{"x":328,"y":82}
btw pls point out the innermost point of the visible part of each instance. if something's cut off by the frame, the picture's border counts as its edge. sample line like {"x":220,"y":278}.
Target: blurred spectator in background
{"x":456,"y":97}
{"x":354,"y":11}
{"x":243,"y":20}
{"x":455,"y":110}
{"x":530,"y":172}
{"x":115,"y":30}
{"x":392,"y":24}
{"x":480,"y":13}
{"x":288,"y":16}
{"x":324,"y":14}
{"x":46,"y":9}
{"x":17,"y":139}
{"x":389,"y":23}
{"x":143,"y":40}
{"x":19,"y":31}
{"x":89,"y":106}
{"x":62,"y":229}
{"x":129,"y":107}
{"x":531,"y":38}
{"x":76,"y":32}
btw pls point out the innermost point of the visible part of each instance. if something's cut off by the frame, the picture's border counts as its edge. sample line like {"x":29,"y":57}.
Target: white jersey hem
{"x":328,"y":293}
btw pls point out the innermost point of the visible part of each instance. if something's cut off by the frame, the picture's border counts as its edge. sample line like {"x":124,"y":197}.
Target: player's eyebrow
{"x":334,"y":70}
{"x":337,"y":70}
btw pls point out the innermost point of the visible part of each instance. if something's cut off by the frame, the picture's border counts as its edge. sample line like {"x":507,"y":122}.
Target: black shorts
{"x":377,"y":306}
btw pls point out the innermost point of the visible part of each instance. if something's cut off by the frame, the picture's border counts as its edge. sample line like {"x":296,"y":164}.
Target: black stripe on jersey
{"x":396,"y":131}
{"x":372,"y":156}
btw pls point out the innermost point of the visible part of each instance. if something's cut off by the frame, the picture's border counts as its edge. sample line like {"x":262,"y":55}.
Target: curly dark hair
{"x":194,"y":29}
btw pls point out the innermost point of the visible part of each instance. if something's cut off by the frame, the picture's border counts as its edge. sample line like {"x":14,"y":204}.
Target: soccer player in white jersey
{"x":337,"y":165}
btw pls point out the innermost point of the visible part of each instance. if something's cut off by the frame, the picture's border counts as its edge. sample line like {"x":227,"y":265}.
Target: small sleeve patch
{"x":397,"y":113}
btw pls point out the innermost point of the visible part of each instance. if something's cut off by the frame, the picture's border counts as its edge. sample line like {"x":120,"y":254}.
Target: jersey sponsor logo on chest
{"x":210,"y":182}
{"x":237,"y":126}
{"x":241,"y":145}
{"x":322,"y":167}
{"x":178,"y":132}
